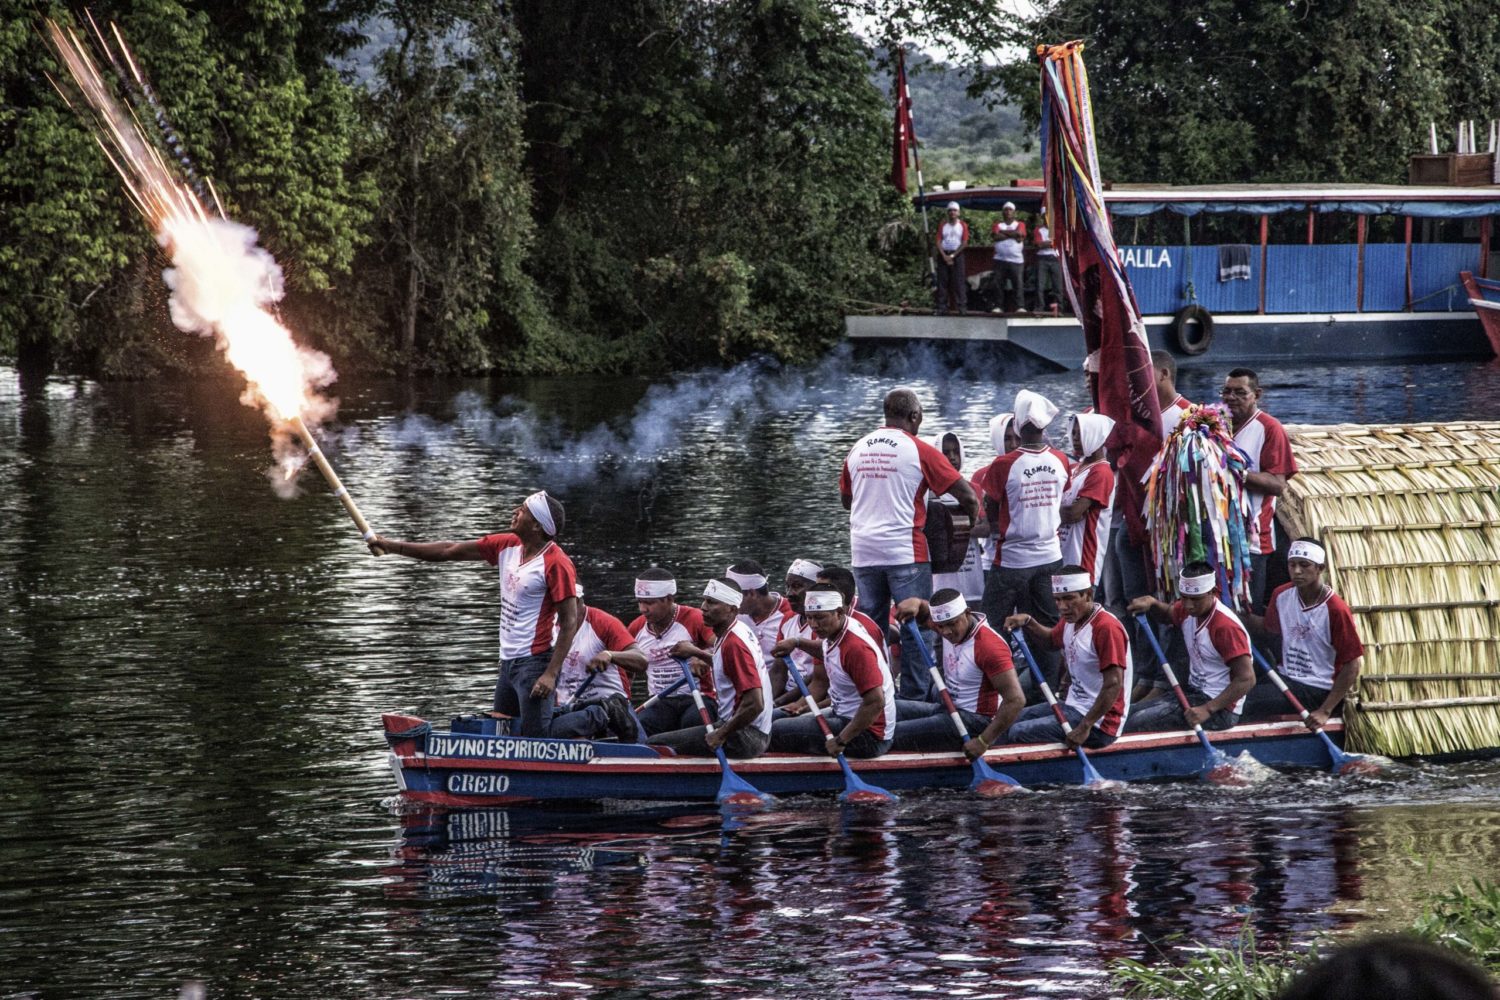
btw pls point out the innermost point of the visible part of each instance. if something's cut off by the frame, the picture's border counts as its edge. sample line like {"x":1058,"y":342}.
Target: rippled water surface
{"x":192,"y":671}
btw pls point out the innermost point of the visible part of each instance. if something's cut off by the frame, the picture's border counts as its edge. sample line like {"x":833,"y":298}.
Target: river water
{"x":192,"y":671}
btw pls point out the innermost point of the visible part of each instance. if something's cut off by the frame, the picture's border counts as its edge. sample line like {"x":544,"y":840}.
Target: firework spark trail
{"x":222,"y":283}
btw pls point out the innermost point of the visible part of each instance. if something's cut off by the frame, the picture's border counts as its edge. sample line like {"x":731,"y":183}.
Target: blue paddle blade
{"x":990,"y":782}
{"x":861,"y":792}
{"x":736,"y":791}
{"x":1090,"y":776}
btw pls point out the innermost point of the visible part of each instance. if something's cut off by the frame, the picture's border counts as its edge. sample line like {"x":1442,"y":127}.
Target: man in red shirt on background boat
{"x":662,"y":624}
{"x":590,"y":709}
{"x":1220,"y":671}
{"x":539,"y":610}
{"x":1268,"y":453}
{"x":742,"y":718}
{"x":862,"y":695}
{"x":884,"y":485}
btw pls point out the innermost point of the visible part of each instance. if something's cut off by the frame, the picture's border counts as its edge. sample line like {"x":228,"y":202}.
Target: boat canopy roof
{"x":1130,"y":200}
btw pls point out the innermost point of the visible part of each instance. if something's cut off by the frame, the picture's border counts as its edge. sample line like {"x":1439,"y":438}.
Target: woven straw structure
{"x":1410,"y":516}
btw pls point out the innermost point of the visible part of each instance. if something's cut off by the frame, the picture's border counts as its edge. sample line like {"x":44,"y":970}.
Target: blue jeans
{"x":1164,"y":714}
{"x":935,"y":733}
{"x":675,"y":711}
{"x":531,"y":716}
{"x":802,"y":734}
{"x":880,"y":587}
{"x":1037,"y":724}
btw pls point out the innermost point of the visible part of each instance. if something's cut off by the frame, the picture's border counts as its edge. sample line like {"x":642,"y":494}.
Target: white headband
{"x":649,"y":589}
{"x":1311,"y":551}
{"x":823,"y":600}
{"x":716,"y":591}
{"x":1069,"y":583}
{"x":578,"y":591}
{"x":806,"y":569}
{"x":537,"y":504}
{"x":747,"y":580}
{"x":951,"y":610}
{"x":1197,"y":586}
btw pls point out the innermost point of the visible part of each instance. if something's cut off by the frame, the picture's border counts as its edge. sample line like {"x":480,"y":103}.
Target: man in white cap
{"x":662,"y":624}
{"x":539,"y":609}
{"x":1049,"y":279}
{"x":1220,"y":671}
{"x":1010,"y":258}
{"x":950,"y":242}
{"x":1088,"y":500}
{"x":884,"y":485}
{"x":1097,"y":652}
{"x":1321,"y":650}
{"x":593,"y":690}
{"x":1023,"y":500}
{"x":742,"y":718}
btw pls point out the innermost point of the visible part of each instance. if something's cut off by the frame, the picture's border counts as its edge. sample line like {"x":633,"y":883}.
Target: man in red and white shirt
{"x":1168,"y":399}
{"x":949,"y":243}
{"x":539,"y":611}
{"x":1088,"y":501}
{"x":793,"y":648}
{"x":763,"y":608}
{"x":1096,"y":651}
{"x":1268,"y":454}
{"x":1220,"y":671}
{"x":884,"y":485}
{"x":1321,"y":651}
{"x":977,"y":670}
{"x":591,"y":709}
{"x":1023,"y":501}
{"x":661,"y":625}
{"x":742,"y":720}
{"x":862,"y":696}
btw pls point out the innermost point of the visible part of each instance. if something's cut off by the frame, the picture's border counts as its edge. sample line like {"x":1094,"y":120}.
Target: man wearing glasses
{"x":1269,"y":455}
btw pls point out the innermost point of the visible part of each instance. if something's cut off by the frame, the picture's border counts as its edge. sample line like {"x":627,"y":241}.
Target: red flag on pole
{"x":902,"y":142}
{"x":1096,"y":282}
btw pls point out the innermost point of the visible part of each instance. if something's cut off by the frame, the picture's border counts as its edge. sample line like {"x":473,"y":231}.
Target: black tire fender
{"x":1188,"y":341}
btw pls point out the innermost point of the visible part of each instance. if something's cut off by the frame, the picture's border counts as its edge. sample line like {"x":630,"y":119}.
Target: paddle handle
{"x":660,"y":695}
{"x":1338,"y":756}
{"x":938,"y":682}
{"x":1166,"y":668}
{"x":812,"y":705}
{"x":688,"y":678}
{"x":1090,"y":775}
{"x":587,"y":682}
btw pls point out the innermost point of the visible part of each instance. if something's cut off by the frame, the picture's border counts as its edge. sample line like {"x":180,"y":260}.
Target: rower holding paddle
{"x":976,"y":670}
{"x":539,"y":611}
{"x":662,"y":624}
{"x":1096,"y":657}
{"x":1220,"y":671}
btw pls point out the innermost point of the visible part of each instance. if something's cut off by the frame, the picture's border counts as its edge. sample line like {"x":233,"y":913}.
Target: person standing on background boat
{"x":977,"y":669}
{"x":862,"y":695}
{"x":539,"y":611}
{"x":662,"y":624}
{"x":1010,"y":259}
{"x":1088,"y":500}
{"x":884,"y":484}
{"x":792,"y":649}
{"x":952,"y":239}
{"x":1321,"y":650}
{"x":604,"y":650}
{"x":1096,"y":650}
{"x":1023,"y":491}
{"x":763,"y":609}
{"x":1220,"y":671}
{"x":742,"y":718}
{"x":1049,"y":280}
{"x":1268,"y":454}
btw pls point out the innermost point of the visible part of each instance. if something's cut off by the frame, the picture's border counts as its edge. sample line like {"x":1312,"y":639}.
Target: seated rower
{"x":763,"y":609}
{"x":1320,"y":647}
{"x":795,"y":647}
{"x":662,"y":624}
{"x":977,"y":670}
{"x":1220,"y":671}
{"x":887,"y":639}
{"x":742,"y":722}
{"x":1097,"y":666}
{"x":604,"y":650}
{"x":857,"y":679}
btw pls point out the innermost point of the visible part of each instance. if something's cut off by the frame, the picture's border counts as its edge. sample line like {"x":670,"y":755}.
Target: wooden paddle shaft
{"x":321,"y":460}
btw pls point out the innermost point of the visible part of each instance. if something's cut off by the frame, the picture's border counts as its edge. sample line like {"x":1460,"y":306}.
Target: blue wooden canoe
{"x":468,"y":765}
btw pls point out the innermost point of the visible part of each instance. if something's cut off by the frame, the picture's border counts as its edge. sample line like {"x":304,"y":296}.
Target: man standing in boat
{"x":1220,"y":672}
{"x":539,"y":610}
{"x":742,"y":719}
{"x":1268,"y":453}
{"x":1088,"y":500}
{"x":884,"y":485}
{"x":661,"y":625}
{"x":952,"y":239}
{"x":862,"y":710}
{"x":1321,"y":651}
{"x":1010,"y":259}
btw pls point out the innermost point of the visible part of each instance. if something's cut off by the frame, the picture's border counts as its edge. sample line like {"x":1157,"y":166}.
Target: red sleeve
{"x":738,"y":664}
{"x":859,"y":662}
{"x":977,"y":481}
{"x":991,"y":653}
{"x":1021,"y":229}
{"x":634,"y":628}
{"x":937,"y":471}
{"x":1273,"y":614}
{"x":1179,"y":613}
{"x":846,"y":485}
{"x":1109,"y":642}
{"x":1099,"y":484}
{"x":1276,"y":452}
{"x":1055,"y":640}
{"x":490,"y":545}
{"x":961,"y":222}
{"x":609,"y":630}
{"x":562,"y":580}
{"x":995,"y":229}
{"x":1067,"y":463}
{"x":996,"y":475}
{"x":1345,"y":637}
{"x":1229,"y":641}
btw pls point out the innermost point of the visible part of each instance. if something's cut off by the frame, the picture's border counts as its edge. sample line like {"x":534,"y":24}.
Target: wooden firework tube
{"x":337,"y":484}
